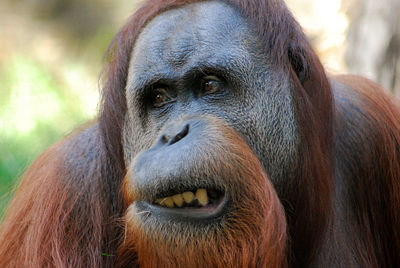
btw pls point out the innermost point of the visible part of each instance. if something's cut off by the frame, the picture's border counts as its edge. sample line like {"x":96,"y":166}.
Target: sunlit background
{"x":51,"y":55}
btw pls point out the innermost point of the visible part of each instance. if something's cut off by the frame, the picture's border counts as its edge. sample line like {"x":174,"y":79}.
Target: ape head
{"x":209,"y":120}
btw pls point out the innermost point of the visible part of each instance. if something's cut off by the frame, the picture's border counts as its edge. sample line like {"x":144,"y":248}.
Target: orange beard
{"x":252,"y":233}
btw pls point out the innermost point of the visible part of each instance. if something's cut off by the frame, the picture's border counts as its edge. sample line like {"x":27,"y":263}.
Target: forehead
{"x":177,"y":39}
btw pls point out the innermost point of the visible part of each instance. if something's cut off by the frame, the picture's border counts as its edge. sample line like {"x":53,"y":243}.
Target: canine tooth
{"x":178,"y":200}
{"x":168,"y":202}
{"x":188,"y":197}
{"x":201,"y":195}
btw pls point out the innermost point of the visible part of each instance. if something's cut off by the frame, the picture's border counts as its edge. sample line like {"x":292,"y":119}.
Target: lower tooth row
{"x":179,"y":199}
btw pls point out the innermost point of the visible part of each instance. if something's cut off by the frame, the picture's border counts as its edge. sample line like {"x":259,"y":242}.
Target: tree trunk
{"x":373,"y":48}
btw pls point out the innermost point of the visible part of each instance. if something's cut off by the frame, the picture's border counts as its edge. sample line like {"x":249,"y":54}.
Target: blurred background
{"x":51,"y":56}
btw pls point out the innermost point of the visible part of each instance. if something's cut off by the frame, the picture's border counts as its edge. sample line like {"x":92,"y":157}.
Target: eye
{"x":160,"y":97}
{"x":211,"y":84}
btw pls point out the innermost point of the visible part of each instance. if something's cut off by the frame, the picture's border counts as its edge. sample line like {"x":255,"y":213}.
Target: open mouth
{"x":196,"y":204}
{"x":199,"y":198}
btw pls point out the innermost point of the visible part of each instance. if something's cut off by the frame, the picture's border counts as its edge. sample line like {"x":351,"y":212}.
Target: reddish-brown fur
{"x":68,"y":210}
{"x":63,"y":213}
{"x":376,"y":196}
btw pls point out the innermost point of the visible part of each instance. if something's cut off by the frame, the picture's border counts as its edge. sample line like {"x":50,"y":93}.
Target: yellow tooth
{"x":201,"y":195}
{"x":168,"y":202}
{"x":178,"y":200}
{"x":188,"y":197}
{"x":159,"y":201}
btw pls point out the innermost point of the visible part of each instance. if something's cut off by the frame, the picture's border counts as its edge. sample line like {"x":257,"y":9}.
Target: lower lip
{"x":204,"y":214}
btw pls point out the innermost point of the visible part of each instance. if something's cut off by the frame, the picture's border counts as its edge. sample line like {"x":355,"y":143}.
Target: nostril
{"x":164,"y":139}
{"x":180,"y":135}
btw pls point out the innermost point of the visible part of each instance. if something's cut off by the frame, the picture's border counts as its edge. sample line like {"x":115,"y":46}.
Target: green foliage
{"x":50,"y":57}
{"x":35,"y":111}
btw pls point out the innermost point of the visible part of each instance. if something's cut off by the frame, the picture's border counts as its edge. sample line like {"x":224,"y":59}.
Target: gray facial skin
{"x":180,"y":47}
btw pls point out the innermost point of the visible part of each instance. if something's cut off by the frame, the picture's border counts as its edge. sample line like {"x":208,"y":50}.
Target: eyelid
{"x":160,"y":89}
{"x":211,"y":77}
{"x":148,"y":85}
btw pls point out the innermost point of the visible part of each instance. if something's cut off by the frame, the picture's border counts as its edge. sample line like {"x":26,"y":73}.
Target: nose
{"x":171,"y":136}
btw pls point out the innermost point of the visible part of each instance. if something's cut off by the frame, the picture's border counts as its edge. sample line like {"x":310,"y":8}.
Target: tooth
{"x":168,"y":202}
{"x":178,"y":199}
{"x":201,"y":195}
{"x":188,"y":197}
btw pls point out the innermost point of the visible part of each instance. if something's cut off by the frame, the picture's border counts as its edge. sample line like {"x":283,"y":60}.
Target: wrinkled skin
{"x":177,"y":50}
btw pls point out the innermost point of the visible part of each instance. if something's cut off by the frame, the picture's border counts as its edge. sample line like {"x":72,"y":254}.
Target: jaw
{"x":169,"y":237}
{"x":242,"y":226}
{"x":250,"y":233}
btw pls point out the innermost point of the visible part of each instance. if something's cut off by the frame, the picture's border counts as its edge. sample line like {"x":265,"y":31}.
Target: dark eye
{"x":211,"y":84}
{"x":160,"y":97}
